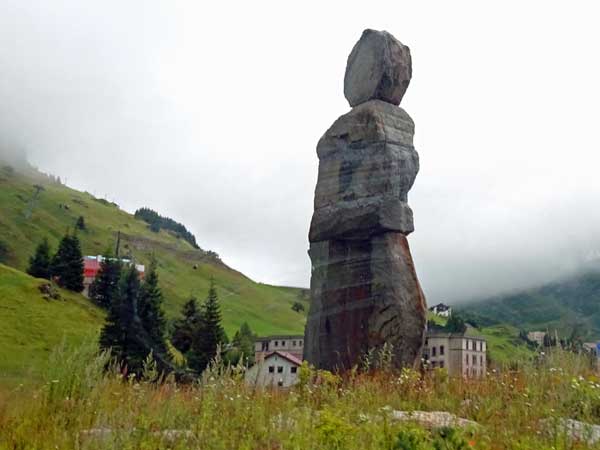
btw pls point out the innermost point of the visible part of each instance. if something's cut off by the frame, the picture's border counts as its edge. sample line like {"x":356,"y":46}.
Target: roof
{"x":445,"y":334}
{"x":280,"y":336}
{"x":441,"y":306}
{"x":291,"y":358}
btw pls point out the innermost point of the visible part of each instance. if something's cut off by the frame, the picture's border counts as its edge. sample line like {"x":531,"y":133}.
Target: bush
{"x":4,"y":252}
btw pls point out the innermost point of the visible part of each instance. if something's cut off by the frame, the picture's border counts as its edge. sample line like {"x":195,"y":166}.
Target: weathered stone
{"x":364,"y":288}
{"x":434,"y":419}
{"x":379,"y":67}
{"x":364,"y":293}
{"x":367,"y":166}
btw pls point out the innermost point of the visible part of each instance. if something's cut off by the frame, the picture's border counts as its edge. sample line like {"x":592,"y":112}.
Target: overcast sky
{"x":209,"y":112}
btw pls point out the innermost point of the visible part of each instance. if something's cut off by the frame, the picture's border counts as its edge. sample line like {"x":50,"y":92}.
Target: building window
{"x":283,"y":343}
{"x":481,"y":360}
{"x":432,"y":351}
{"x":293,"y":369}
{"x":271,"y":369}
{"x":441,"y":350}
{"x":279,"y":369}
{"x":480,"y":346}
{"x":432,"y":364}
{"x":293,"y":343}
{"x":426,"y":342}
{"x":442,"y":364}
{"x":466,"y":360}
{"x":474,"y":360}
{"x":276,"y":343}
{"x":300,"y":343}
{"x":474,"y":345}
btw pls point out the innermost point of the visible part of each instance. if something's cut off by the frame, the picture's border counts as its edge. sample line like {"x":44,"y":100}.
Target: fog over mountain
{"x":211,"y":116}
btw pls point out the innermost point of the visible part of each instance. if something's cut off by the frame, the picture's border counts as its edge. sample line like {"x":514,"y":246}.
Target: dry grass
{"x":322,"y":412}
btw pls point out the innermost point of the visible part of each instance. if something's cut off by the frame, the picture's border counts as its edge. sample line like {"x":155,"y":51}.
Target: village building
{"x":276,"y":369}
{"x":459,"y":353}
{"x":292,"y":344}
{"x":91,"y":266}
{"x":537,"y":337}
{"x":441,"y":310}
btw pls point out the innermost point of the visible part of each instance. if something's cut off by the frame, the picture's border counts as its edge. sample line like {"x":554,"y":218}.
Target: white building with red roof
{"x":277,"y":369}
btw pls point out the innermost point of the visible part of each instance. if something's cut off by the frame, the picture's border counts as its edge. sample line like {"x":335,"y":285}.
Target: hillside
{"x":565,"y":305}
{"x":27,"y":217}
{"x":31,"y":326}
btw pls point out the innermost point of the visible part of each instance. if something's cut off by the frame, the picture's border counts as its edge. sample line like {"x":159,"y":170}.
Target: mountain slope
{"x":564,"y":305}
{"x":28,"y":216}
{"x":30,"y":325}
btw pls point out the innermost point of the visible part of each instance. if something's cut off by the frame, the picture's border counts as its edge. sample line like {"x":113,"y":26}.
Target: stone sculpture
{"x":364,"y":288}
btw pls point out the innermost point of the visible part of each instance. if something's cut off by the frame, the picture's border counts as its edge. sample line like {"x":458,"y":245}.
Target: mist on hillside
{"x":213,"y":121}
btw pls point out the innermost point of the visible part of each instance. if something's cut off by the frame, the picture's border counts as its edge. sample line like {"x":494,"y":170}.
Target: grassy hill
{"x":30,"y":325}
{"x":34,"y":206}
{"x":565,"y":305}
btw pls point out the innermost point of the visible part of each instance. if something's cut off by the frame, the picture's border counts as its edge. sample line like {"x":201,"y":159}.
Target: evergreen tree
{"x":243,"y":343}
{"x":80,"y":224}
{"x":185,"y":327}
{"x":39,"y":263}
{"x":210,"y":333}
{"x":456,"y":324}
{"x":150,"y":311}
{"x":121,"y":330}
{"x":105,"y":286}
{"x":67,"y":263}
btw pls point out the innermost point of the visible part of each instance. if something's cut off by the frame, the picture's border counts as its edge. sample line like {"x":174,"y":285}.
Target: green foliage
{"x":4,"y":251}
{"x":298,"y":307}
{"x":67,"y":264}
{"x":210,"y":333}
{"x":40,"y":262}
{"x":158,"y":222}
{"x":122,"y":331}
{"x":243,"y":346}
{"x":80,"y":223}
{"x":186,"y":326}
{"x":105,"y":286}
{"x":456,"y":324}
{"x":150,"y":310}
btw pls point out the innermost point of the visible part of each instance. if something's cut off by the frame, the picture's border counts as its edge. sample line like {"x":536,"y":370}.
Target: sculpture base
{"x":364,"y":293}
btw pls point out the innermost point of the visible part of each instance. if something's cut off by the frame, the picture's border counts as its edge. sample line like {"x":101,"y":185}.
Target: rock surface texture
{"x":364,"y":288}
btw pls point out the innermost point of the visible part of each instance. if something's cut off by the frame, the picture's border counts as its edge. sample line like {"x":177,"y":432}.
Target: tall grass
{"x":82,"y":406}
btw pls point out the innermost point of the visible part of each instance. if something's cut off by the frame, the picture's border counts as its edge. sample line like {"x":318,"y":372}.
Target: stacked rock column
{"x":364,"y":288}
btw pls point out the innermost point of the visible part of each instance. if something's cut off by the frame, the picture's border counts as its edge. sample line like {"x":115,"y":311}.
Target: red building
{"x":91,"y":266}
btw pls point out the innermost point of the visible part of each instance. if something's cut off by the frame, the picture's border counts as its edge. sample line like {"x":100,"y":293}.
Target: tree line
{"x":158,"y":222}
{"x":136,"y":327}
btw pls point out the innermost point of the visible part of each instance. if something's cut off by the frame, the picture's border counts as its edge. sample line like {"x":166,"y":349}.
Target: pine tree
{"x":105,"y":286}
{"x":210,"y":333}
{"x":67,"y":263}
{"x":243,"y":342}
{"x":39,"y":264}
{"x":185,"y":327}
{"x":121,"y":330}
{"x":80,"y":224}
{"x":150,"y":311}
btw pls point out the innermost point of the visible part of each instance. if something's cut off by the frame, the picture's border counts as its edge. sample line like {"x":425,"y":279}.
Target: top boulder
{"x":379,"y":68}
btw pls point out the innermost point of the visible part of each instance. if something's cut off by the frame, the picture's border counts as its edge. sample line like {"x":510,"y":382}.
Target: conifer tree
{"x":39,"y":263}
{"x":150,"y":311}
{"x":210,"y":333}
{"x":121,"y":330}
{"x":67,"y":263}
{"x":243,"y":343}
{"x":105,"y":286}
{"x":186,"y":326}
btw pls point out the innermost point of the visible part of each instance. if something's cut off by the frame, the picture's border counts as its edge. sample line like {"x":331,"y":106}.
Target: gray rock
{"x":364,"y":288}
{"x":367,"y":164}
{"x":434,"y":419}
{"x":379,"y":67}
{"x":573,"y":430}
{"x":365,"y":293}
